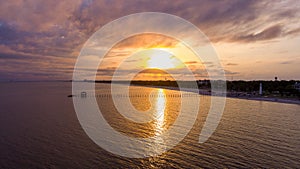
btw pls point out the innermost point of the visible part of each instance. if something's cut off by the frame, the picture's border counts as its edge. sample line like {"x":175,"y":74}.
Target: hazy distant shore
{"x":207,"y":92}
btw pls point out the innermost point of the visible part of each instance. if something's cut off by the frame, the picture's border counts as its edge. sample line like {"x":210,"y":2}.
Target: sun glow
{"x":161,"y":59}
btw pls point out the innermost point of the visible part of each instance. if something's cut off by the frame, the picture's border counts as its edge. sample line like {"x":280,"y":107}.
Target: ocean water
{"x":40,"y":129}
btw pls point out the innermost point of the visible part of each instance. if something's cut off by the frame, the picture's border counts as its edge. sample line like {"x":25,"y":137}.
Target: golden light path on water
{"x":159,"y":114}
{"x":160,"y":110}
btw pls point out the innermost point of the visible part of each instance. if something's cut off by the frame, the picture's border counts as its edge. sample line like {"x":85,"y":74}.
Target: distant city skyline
{"x":255,"y":40}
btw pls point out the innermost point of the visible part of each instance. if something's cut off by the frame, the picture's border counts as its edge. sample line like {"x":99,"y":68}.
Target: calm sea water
{"x":40,"y":129}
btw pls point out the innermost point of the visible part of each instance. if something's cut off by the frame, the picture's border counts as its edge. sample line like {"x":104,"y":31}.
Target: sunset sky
{"x":40,"y":40}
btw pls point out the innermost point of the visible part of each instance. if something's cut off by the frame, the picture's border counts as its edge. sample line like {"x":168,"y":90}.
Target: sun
{"x":161,"y":59}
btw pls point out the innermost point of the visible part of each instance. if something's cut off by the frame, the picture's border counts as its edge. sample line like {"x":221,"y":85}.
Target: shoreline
{"x":269,"y":99}
{"x":206,"y":92}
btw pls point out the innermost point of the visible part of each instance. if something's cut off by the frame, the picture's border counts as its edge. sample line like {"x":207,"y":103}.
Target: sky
{"x":255,"y":40}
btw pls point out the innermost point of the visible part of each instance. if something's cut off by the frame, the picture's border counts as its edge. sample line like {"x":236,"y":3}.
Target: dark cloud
{"x":231,"y":64}
{"x":287,"y":62}
{"x":268,"y":33}
{"x":10,"y":56}
{"x":8,"y":34}
{"x":191,"y":62}
{"x":153,"y":71}
{"x":293,"y":32}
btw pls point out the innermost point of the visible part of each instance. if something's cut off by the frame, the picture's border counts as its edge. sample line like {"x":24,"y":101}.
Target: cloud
{"x":148,"y":40}
{"x":144,"y":41}
{"x":293,"y":32}
{"x":232,"y":64}
{"x":228,"y":72}
{"x":287,"y":62}
{"x":56,"y":30}
{"x":191,"y":62}
{"x":37,"y":16}
{"x":267,"y":34}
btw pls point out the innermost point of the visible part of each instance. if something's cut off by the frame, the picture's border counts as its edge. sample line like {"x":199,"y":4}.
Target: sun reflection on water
{"x":159,"y":118}
{"x":160,"y":111}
